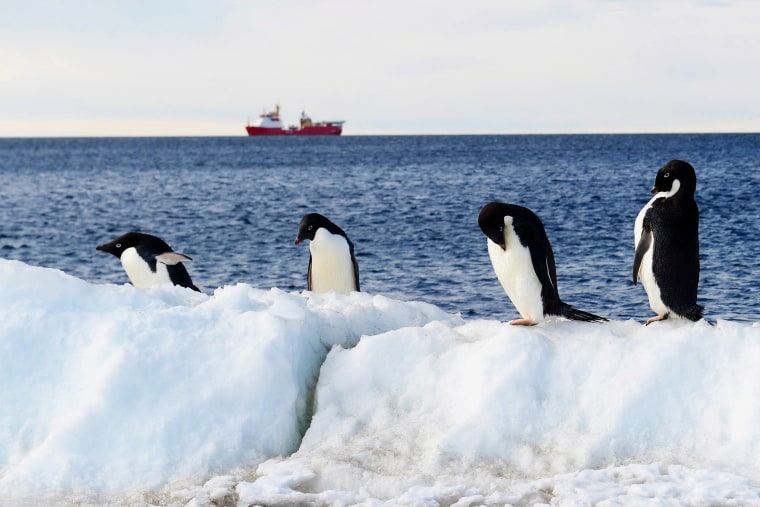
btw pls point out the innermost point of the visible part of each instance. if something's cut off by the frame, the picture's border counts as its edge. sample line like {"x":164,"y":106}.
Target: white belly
{"x":514,"y":269}
{"x":139,"y":272}
{"x":331,"y":265}
{"x":646,"y":274}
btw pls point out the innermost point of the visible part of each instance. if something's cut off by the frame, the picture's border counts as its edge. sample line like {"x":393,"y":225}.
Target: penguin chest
{"x":139,"y":271}
{"x":514,"y":269}
{"x":646,"y":271}
{"x":332,"y":268}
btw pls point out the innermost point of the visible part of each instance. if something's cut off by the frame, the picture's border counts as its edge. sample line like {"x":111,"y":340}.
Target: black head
{"x":491,"y":221}
{"x":526,"y":224}
{"x":134,"y":239}
{"x":676,"y":171}
{"x":311,"y":222}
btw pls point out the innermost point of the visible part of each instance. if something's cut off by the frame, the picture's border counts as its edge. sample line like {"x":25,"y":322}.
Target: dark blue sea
{"x":409,"y":204}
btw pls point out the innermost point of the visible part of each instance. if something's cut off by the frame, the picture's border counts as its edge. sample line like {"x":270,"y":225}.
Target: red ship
{"x":269,"y":124}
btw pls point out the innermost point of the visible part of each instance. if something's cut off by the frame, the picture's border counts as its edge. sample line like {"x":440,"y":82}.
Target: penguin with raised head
{"x":332,"y":264}
{"x":523,"y":260}
{"x":666,"y":235}
{"x":148,"y":260}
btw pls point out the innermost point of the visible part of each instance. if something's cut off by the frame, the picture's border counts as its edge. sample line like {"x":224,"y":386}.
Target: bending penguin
{"x":666,"y":234}
{"x":523,"y":260}
{"x":148,"y":260}
{"x":332,"y":265}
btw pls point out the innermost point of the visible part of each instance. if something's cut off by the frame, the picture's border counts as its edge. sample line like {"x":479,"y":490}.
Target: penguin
{"x":523,"y":260}
{"x":666,"y":238}
{"x":332,"y":264}
{"x":148,"y":260}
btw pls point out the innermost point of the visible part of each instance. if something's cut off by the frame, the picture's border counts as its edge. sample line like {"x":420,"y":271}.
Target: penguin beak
{"x":298,"y":240}
{"x":107,"y":248}
{"x":654,"y":189}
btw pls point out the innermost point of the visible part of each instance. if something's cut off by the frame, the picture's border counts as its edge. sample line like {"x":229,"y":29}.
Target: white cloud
{"x":483,"y":66}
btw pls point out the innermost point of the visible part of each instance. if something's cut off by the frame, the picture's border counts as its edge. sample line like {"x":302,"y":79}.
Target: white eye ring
{"x":667,"y":175}
{"x":118,"y":245}
{"x":311,"y":227}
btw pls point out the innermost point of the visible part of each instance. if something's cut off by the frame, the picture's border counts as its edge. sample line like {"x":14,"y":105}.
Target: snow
{"x":248,"y":396}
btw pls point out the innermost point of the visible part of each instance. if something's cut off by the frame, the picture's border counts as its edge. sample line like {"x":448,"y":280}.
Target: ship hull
{"x":316,"y":130}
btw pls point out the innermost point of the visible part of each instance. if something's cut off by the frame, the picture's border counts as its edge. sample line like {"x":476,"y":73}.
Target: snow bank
{"x":109,"y":388}
{"x":496,"y":402}
{"x":180,"y":398}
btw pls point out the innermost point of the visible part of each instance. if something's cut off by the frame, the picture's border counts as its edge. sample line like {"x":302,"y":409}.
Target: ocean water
{"x":409,"y":204}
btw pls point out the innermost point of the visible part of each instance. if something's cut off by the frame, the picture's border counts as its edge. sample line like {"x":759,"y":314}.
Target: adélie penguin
{"x":523,"y":260}
{"x":666,"y":235}
{"x":332,"y":264}
{"x":148,"y":260}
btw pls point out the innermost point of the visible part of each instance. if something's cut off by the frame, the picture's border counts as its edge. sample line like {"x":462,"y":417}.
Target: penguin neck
{"x":675,"y":187}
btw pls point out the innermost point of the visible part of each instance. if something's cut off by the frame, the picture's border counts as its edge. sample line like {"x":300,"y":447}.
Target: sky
{"x":205,"y":67}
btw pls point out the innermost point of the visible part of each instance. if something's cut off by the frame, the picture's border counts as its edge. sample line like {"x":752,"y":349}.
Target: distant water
{"x":409,"y":204}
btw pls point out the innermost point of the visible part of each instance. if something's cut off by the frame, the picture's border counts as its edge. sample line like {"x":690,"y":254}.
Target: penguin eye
{"x":667,"y":175}
{"x":118,"y":245}
{"x":311,"y":227}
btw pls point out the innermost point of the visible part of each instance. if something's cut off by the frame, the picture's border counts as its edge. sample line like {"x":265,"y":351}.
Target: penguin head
{"x":674,"y":177}
{"x":133,"y":240}
{"x":311,"y":222}
{"x":491,"y":222}
{"x":117,"y":246}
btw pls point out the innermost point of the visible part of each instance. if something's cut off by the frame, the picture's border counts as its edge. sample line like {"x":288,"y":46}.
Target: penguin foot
{"x":662,"y":316}
{"x":522,"y":322}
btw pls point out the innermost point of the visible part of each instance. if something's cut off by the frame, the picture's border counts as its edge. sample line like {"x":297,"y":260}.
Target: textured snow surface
{"x":165,"y":396}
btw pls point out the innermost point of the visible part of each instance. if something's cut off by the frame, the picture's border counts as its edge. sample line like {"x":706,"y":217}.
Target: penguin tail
{"x":571,"y":313}
{"x":694,"y":313}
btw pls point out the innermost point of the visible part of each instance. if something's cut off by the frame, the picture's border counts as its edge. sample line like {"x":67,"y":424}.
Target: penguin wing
{"x":543,"y":265}
{"x":356,"y":273}
{"x":177,"y":272}
{"x":172,"y":258}
{"x":308,"y":276}
{"x":533,"y":236}
{"x":355,"y":264}
{"x":645,"y":243}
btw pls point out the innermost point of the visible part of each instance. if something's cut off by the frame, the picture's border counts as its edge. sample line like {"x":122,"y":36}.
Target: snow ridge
{"x":167,"y":396}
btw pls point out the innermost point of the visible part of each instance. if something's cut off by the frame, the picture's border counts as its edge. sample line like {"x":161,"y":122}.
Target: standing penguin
{"x":667,"y":244}
{"x":148,"y":260}
{"x":523,"y":260}
{"x":332,"y":265}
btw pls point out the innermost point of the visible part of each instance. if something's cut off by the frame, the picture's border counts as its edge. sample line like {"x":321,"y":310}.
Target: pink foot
{"x":523,"y":322}
{"x":662,"y":316}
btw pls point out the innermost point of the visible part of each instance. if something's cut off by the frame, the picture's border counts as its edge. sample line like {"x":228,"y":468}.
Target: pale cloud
{"x":200,"y":67}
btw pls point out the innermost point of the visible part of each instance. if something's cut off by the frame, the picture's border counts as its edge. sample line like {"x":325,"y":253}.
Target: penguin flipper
{"x":356,"y":273}
{"x":308,"y":276}
{"x":542,"y":258}
{"x":645,"y":243}
{"x":172,"y":258}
